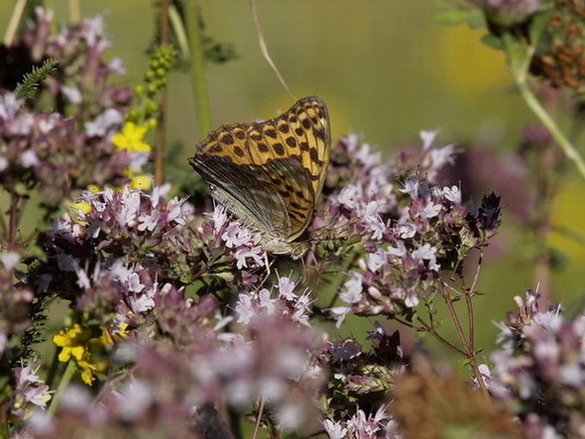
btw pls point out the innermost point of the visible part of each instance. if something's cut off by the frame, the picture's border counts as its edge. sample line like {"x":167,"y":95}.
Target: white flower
{"x":245,"y":309}
{"x":431,"y":210}
{"x":353,"y":289}
{"x":177,"y":208}
{"x":9,"y":105}
{"x":10,"y":260}
{"x":286,"y":287}
{"x":129,"y":278}
{"x":427,"y":253}
{"x":339,"y":313}
{"x":428,"y":137}
{"x":406,"y":231}
{"x":302,"y":309}
{"x":138,"y":160}
{"x":46,"y":125}
{"x":134,"y":399}
{"x":254,"y":252}
{"x":399,"y":250}
{"x":219,"y":217}
{"x":116,"y":65}
{"x":266,"y":302}
{"x":129,"y":209}
{"x":93,"y":28}
{"x":411,"y":186}
{"x":28,"y":375}
{"x":3,"y":163}
{"x":349,"y":196}
{"x":104,"y":123}
{"x":411,"y":299}
{"x":3,"y":342}
{"x":236,"y":236}
{"x":452,"y":194}
{"x":334,"y":429}
{"x":364,"y":156}
{"x":145,"y":302}
{"x":72,"y":93}
{"x":29,"y":158}
{"x":376,"y":260}
{"x":149,"y":222}
{"x":440,"y":157}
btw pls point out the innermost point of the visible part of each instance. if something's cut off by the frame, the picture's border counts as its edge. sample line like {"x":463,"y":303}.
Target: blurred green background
{"x":386,"y":70}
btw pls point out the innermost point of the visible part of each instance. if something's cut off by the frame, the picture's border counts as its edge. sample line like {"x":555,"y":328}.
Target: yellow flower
{"x":84,"y":206}
{"x":95,"y":359}
{"x":143,"y":182}
{"x":90,"y":353}
{"x":73,"y":341}
{"x":94,"y":188}
{"x":131,"y":138}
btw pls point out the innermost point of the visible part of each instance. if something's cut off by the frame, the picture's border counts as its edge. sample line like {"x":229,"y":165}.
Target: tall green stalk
{"x":201,"y":94}
{"x":519,"y":56}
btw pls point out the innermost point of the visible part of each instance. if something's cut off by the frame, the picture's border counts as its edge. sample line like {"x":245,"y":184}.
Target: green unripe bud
{"x":151,"y":107}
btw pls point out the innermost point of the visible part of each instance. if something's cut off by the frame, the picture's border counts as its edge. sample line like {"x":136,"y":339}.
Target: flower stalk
{"x":63,"y":383}
{"x":159,"y":158}
{"x":519,"y":55}
{"x":14,"y":22}
{"x":199,"y":81}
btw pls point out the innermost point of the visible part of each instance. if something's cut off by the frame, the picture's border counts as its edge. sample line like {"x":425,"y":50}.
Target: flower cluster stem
{"x":519,"y":55}
{"x":468,"y":344}
{"x":540,"y":112}
{"x":65,"y":380}
{"x":202,"y":102}
{"x":14,"y":217}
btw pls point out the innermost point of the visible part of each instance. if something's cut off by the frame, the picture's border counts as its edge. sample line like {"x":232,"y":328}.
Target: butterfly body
{"x":270,"y":174}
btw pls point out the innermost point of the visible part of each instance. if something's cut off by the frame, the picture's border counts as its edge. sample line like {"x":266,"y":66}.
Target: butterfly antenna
{"x":264,"y":49}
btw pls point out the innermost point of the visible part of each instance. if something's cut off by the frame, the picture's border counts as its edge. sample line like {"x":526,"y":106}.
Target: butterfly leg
{"x":267,"y":264}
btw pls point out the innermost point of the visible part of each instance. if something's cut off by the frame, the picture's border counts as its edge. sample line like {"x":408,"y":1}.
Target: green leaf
{"x":26,"y":89}
{"x":492,"y":41}
{"x":574,"y":306}
{"x":538,"y":24}
{"x":570,"y":234}
{"x":451,"y":18}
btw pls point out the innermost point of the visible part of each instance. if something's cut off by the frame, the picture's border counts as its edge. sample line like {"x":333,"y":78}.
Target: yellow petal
{"x":143,"y":182}
{"x":65,"y":355}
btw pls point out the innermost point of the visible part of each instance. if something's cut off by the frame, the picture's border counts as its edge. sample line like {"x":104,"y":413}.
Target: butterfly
{"x":270,"y":174}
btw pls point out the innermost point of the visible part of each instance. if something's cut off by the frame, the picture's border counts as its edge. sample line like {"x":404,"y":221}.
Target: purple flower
{"x":507,"y":13}
{"x":539,"y":371}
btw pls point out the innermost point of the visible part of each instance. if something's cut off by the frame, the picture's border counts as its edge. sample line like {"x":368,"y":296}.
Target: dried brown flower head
{"x":429,"y":406}
{"x":561,"y":58}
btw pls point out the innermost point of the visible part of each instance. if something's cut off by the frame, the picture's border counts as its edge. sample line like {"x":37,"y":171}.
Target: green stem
{"x":65,"y":379}
{"x":202,"y":102}
{"x":338,"y":282}
{"x":14,"y":217}
{"x":539,"y":111}
{"x":519,"y":56}
{"x":14,"y":22}
{"x":179,"y":32}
